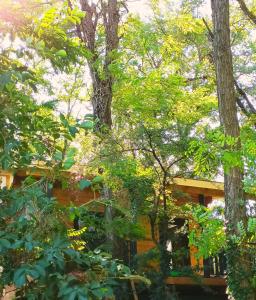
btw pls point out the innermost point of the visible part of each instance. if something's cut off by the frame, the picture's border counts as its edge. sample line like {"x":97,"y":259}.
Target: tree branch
{"x":244,"y":95}
{"x":246,"y":11}
{"x":154,"y":152}
{"x":174,"y":162}
{"x":240,"y":91}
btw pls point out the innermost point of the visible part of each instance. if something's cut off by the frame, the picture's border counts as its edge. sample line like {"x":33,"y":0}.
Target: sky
{"x":142,"y":8}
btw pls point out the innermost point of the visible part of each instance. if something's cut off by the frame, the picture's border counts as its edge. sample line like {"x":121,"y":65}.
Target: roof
{"x":196,"y":187}
{"x":204,"y":184}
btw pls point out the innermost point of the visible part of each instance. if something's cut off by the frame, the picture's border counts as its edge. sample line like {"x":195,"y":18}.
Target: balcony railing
{"x":215,"y":266}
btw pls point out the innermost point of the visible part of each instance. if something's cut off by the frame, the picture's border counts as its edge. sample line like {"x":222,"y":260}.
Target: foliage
{"x":208,"y":233}
{"x":165,"y":124}
{"x":37,"y":252}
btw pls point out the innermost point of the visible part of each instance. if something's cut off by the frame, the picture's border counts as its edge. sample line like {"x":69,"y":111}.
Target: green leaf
{"x":89,"y":116}
{"x":68,"y":163}
{"x":61,"y":53}
{"x":87,"y":125}
{"x":71,"y":152}
{"x":5,"y":243}
{"x":26,"y":75}
{"x":50,"y":104}
{"x":72,"y":295}
{"x":109,"y":292}
{"x":58,"y":156}
{"x":82,"y":297}
{"x":40,"y":270}
{"x":65,"y":291}
{"x":4,"y":79}
{"x":64,"y":120}
{"x":73,"y":130}
{"x":19,"y":277}
{"x":84,"y":183}
{"x":34,"y":273}
{"x":97,"y":179}
{"x":99,"y":293}
{"x":95,"y":285}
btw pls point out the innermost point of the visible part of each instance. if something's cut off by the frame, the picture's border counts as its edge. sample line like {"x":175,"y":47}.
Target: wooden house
{"x":211,"y":272}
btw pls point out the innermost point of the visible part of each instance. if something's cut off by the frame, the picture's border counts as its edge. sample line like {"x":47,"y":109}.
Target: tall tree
{"x":235,"y":204}
{"x":98,"y":31}
{"x":101,"y":17}
{"x":152,"y":125}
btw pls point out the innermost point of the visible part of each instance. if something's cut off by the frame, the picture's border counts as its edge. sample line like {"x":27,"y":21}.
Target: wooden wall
{"x":146,"y":244}
{"x":69,"y":196}
{"x":76,"y":197}
{"x":186,"y":195}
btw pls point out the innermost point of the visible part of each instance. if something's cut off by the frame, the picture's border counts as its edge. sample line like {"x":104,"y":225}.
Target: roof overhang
{"x":195,"y":186}
{"x":203,"y":184}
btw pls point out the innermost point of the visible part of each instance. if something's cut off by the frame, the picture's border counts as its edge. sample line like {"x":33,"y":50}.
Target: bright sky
{"x":142,"y":8}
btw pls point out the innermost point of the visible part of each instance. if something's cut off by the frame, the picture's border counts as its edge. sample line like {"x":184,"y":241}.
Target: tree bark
{"x":235,"y":207}
{"x":102,"y":79}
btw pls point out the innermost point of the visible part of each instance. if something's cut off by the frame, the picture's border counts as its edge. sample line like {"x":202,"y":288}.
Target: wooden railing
{"x":215,"y":266}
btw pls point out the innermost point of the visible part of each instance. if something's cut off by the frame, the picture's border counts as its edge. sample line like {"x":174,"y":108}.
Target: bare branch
{"x":244,"y":95}
{"x":175,"y":162}
{"x":208,"y":29}
{"x":154,"y":152}
{"x":241,"y":92}
{"x":246,"y":11}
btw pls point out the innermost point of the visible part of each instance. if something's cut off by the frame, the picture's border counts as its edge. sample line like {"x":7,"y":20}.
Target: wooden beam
{"x":216,"y":281}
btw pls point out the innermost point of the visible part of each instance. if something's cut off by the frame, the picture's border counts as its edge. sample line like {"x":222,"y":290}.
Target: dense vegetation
{"x":101,"y":98}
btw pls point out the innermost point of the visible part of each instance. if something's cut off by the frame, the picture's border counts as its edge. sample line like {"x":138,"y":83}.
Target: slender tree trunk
{"x":235,"y":208}
{"x":163,"y":224}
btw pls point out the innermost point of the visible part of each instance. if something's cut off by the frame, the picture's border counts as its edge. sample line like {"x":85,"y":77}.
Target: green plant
{"x":38,"y":255}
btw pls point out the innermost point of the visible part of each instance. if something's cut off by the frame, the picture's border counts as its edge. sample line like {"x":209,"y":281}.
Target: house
{"x":210,"y":273}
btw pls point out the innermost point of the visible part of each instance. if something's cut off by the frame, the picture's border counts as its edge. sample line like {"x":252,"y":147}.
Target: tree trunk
{"x":106,"y":14}
{"x":101,"y":102}
{"x":235,"y":208}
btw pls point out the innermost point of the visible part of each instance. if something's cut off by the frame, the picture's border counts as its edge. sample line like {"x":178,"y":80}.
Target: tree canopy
{"x":120,"y":103}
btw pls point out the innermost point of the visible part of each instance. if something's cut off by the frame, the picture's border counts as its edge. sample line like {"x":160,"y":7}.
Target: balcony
{"x":211,"y":273}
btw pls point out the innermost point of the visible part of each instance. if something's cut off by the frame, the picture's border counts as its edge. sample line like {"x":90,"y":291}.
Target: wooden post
{"x":134,"y":292}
